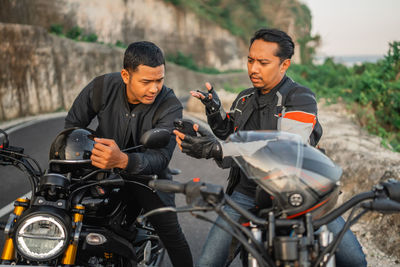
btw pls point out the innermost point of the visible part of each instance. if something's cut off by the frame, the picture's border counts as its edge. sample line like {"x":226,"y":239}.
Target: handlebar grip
{"x":393,"y":189}
{"x":146,"y":177}
{"x":167,"y":186}
{"x":383,"y":206}
{"x":139,"y":177}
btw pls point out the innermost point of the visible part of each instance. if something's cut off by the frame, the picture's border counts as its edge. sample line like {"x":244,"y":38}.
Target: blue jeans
{"x":216,"y":248}
{"x":349,"y":252}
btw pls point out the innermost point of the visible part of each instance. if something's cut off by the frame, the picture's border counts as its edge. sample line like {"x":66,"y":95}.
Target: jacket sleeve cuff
{"x":135,"y":163}
{"x":225,"y":162}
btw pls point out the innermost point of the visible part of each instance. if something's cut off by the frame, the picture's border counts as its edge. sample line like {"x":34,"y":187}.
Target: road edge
{"x":13,"y":125}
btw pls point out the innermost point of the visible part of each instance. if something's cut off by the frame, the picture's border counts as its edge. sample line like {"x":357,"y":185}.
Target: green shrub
{"x":57,"y":29}
{"x":91,"y":38}
{"x":373,"y":87}
{"x":183,"y":60}
{"x":187,"y":61}
{"x":174,"y":2}
{"x":119,"y":43}
{"x":74,"y":33}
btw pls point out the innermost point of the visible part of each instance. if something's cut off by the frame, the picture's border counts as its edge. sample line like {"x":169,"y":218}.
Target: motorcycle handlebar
{"x":209,"y":192}
{"x":343,"y":208}
{"x":385,"y":196}
{"x":167,"y":186}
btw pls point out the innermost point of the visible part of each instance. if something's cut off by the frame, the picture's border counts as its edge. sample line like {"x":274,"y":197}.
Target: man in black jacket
{"x":274,"y":103}
{"x":127,"y":104}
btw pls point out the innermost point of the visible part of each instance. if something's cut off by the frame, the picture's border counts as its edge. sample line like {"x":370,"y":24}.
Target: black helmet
{"x":72,"y":146}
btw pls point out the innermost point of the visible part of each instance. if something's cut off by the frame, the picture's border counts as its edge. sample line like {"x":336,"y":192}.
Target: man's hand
{"x":180,"y":136}
{"x":204,"y":146}
{"x":209,"y":99}
{"x":107,"y":155}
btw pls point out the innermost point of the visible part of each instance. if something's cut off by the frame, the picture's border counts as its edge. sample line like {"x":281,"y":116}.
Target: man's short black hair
{"x":284,"y":41}
{"x":143,"y":53}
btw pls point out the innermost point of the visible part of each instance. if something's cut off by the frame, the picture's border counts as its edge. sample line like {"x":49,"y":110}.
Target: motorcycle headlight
{"x":41,"y":237}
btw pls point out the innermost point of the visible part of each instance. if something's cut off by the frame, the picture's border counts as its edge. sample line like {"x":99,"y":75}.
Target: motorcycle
{"x":297,"y":190}
{"x":76,"y":215}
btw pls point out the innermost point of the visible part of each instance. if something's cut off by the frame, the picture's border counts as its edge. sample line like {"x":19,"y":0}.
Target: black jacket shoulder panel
{"x":303,"y":99}
{"x":112,"y":82}
{"x":300,"y":95}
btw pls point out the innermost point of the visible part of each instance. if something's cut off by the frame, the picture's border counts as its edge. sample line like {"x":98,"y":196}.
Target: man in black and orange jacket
{"x":275,"y":102}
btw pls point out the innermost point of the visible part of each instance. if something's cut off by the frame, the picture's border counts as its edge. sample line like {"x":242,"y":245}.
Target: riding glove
{"x":203,"y":146}
{"x":213,"y":104}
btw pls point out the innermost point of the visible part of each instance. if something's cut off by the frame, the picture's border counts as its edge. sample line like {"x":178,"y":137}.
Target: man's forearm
{"x":221,"y":127}
{"x":149,"y":162}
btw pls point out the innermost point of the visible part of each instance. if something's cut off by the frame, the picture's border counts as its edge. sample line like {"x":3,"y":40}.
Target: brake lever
{"x":141,"y":218}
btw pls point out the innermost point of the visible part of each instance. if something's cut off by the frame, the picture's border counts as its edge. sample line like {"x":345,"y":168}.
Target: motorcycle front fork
{"x":8,"y":254}
{"x":325,"y":238}
{"x":258,"y":236}
{"x":70,"y":253}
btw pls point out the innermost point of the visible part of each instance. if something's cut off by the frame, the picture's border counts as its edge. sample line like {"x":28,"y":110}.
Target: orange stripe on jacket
{"x":301,"y":117}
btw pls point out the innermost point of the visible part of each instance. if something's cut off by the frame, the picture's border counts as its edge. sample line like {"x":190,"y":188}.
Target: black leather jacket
{"x":293,"y":109}
{"x":118,"y":123}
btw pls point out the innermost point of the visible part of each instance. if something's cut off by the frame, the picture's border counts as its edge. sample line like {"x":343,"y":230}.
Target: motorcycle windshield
{"x":296,"y":175}
{"x":273,"y":158}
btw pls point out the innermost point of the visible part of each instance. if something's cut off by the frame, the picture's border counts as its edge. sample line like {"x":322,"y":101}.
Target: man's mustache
{"x":255,"y":76}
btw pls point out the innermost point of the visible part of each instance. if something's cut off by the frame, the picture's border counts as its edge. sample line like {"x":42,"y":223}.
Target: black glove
{"x":213,"y":104}
{"x":204,"y":146}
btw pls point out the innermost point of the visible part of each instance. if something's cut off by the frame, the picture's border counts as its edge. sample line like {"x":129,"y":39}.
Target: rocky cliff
{"x":127,"y":21}
{"x":41,"y":72}
{"x":207,"y":36}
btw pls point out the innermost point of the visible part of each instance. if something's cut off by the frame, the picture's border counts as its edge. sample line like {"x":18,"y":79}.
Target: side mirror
{"x":155,"y":138}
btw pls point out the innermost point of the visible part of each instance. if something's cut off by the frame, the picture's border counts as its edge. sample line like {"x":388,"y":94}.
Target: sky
{"x":355,"y":27}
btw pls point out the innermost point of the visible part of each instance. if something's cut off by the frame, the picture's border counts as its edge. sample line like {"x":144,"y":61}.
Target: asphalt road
{"x":37,"y":138}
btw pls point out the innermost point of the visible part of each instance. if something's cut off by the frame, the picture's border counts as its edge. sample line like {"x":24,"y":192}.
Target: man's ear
{"x":125,"y":75}
{"x":285,"y":65}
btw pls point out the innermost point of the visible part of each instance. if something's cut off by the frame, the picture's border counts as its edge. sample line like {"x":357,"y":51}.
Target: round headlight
{"x":41,"y":237}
